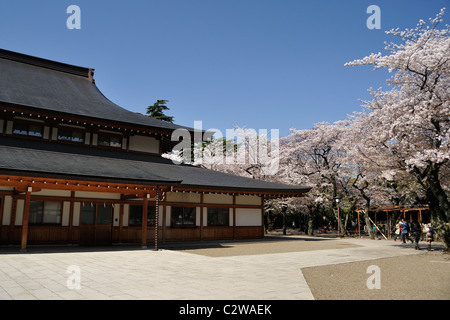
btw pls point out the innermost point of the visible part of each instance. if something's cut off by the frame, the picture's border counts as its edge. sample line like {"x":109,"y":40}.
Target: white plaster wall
{"x":76,"y":214}
{"x":218,"y":198}
{"x":87,"y":139}
{"x":7,"y":210}
{"x":248,"y":200}
{"x":126,"y":214}
{"x":65,"y":213}
{"x":19,"y":212}
{"x":248,"y":217}
{"x":183,"y":197}
{"x":116,"y":215}
{"x":144,"y":144}
{"x":52,"y":193}
{"x":197,"y":216}
{"x":46,"y":133}
{"x":97,"y":195}
{"x":9,"y":127}
{"x":168,"y":212}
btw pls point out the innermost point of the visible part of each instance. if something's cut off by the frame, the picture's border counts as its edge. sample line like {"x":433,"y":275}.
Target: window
{"x":218,"y":217}
{"x":92,"y":213}
{"x":88,"y":214}
{"x":71,"y":135}
{"x":109,"y":141}
{"x":183,"y":216}
{"x":28,"y":129}
{"x":135,"y":216}
{"x":45,"y":212}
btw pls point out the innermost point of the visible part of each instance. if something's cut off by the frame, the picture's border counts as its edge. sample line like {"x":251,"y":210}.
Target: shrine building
{"x":75,"y":168}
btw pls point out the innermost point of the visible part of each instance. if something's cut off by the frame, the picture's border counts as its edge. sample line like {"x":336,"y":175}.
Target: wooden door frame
{"x":94,"y":236}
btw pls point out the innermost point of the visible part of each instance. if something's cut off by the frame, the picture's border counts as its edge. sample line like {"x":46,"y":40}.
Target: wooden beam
{"x":50,"y":118}
{"x":144,"y":223}
{"x":39,"y":183}
{"x":267,"y":195}
{"x":26,"y":215}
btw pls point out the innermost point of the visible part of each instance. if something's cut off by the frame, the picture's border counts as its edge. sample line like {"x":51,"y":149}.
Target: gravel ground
{"x":271,"y":244}
{"x":424,"y":277}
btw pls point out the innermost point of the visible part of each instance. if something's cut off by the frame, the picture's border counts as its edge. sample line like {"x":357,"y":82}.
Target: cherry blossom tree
{"x":411,"y":123}
{"x":309,"y":157}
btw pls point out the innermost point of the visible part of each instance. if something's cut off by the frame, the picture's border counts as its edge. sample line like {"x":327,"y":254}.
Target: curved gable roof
{"x":52,"y":86}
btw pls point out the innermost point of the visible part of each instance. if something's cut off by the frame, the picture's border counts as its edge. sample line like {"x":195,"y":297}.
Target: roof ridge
{"x":48,"y":64}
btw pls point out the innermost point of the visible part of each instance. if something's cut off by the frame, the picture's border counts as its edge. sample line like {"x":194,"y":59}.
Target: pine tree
{"x":156,"y":111}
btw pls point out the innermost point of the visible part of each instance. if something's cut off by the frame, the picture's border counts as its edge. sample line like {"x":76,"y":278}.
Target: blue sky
{"x":261,"y":64}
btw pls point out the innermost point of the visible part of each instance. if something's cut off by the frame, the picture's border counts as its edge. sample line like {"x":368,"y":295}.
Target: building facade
{"x":76,"y":168}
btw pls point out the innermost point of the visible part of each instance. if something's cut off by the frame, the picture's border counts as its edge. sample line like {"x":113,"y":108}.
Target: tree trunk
{"x":310,"y":223}
{"x":310,"y":227}
{"x":440,"y":221}
{"x":367,"y":220}
{"x":344,"y":225}
{"x":438,"y":202}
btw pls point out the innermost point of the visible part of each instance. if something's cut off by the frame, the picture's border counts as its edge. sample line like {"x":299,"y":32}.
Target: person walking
{"x":416,"y":231}
{"x":405,"y":230}
{"x":398,"y":231}
{"x":430,"y":235}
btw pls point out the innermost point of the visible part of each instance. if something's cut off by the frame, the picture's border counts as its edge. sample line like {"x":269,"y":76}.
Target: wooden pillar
{"x":26,"y":215}
{"x":201,"y":216}
{"x":262,"y":216}
{"x":121,"y":209}
{"x":164,"y":223}
{"x":70,"y":236}
{"x":144,"y":222}
{"x":156,"y":218}
{"x":234,"y":217}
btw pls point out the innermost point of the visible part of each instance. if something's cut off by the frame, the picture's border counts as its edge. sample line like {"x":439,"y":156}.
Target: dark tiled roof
{"x":40,"y":157}
{"x":47,"y":85}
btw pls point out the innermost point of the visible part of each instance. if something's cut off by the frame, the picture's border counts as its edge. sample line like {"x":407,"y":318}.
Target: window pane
{"x":189,"y":216}
{"x":151,"y":216}
{"x":35,"y":131}
{"x":223,"y":217}
{"x":135,"y":216}
{"x":78,"y":136}
{"x":52,"y":212}
{"x":104,"y":214}
{"x":103,"y":140}
{"x":64,"y":135}
{"x":88,"y":214}
{"x":36,"y":209}
{"x":177,"y":216}
{"x":212,"y":216}
{"x":116,"y":142}
{"x":20,"y":128}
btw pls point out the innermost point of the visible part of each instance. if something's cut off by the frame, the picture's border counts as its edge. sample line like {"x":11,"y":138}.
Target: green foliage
{"x":156,"y":111}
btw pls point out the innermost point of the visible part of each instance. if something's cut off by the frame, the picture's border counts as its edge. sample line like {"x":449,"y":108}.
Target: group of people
{"x":416,"y":230}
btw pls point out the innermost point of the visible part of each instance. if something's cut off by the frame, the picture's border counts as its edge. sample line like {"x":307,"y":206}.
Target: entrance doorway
{"x":96,"y":224}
